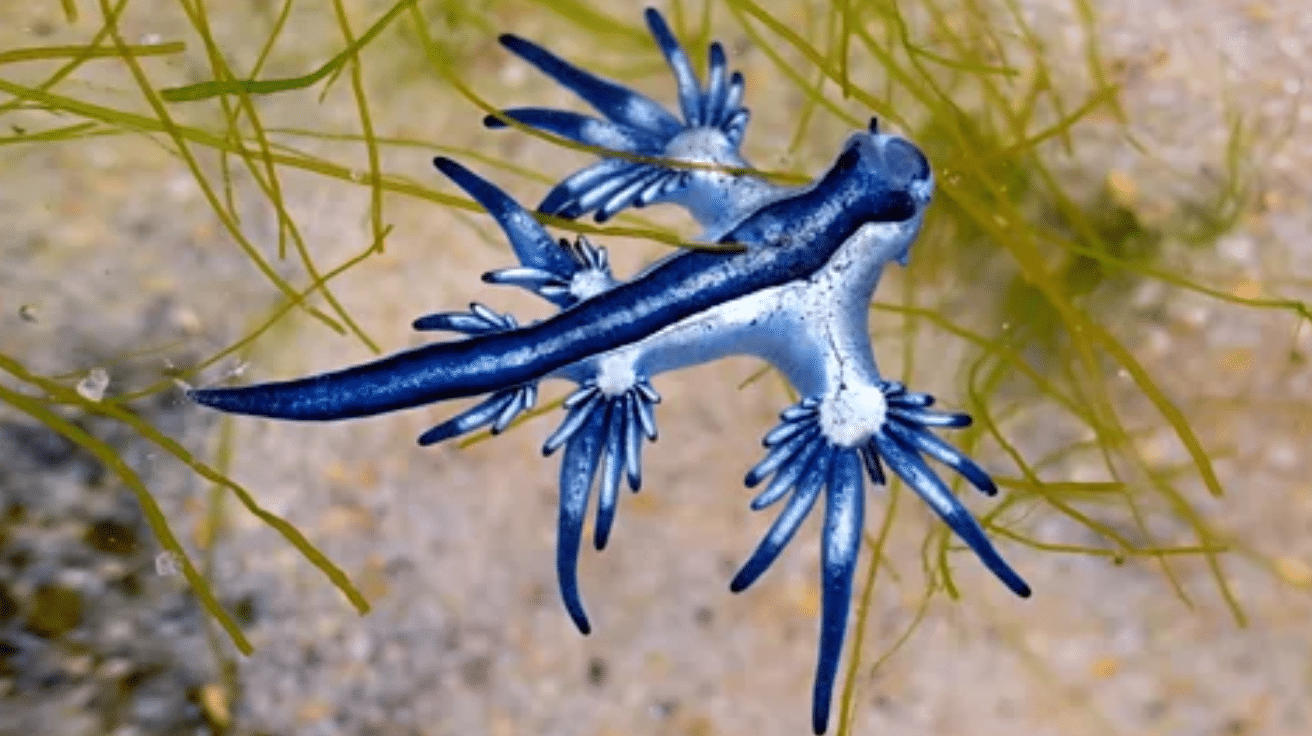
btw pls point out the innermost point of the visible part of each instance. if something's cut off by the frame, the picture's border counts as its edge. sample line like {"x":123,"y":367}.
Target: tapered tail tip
{"x":275,"y":401}
{"x":223,"y":399}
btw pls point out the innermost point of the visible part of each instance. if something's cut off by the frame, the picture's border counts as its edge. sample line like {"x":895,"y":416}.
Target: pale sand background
{"x":112,"y":244}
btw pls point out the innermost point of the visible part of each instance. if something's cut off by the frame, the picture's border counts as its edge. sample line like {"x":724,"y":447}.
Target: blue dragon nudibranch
{"x":794,"y":292}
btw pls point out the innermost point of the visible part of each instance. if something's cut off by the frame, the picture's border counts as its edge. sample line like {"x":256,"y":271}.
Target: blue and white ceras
{"x":795,"y":291}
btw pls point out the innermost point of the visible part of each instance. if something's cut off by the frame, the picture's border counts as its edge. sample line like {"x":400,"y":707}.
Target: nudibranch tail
{"x":424,"y":375}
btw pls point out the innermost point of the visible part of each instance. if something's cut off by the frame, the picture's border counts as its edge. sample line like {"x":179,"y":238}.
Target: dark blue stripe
{"x":786,"y":241}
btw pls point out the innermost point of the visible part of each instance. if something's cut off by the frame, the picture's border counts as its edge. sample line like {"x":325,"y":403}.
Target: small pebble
{"x":93,"y":386}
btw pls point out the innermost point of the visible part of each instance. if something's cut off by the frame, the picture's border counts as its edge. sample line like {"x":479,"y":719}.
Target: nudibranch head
{"x":892,"y":165}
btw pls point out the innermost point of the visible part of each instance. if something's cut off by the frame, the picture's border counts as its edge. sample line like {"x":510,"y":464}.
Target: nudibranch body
{"x":795,"y":292}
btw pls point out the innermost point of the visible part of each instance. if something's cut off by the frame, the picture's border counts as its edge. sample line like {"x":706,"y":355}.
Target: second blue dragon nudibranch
{"x":795,"y":292}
